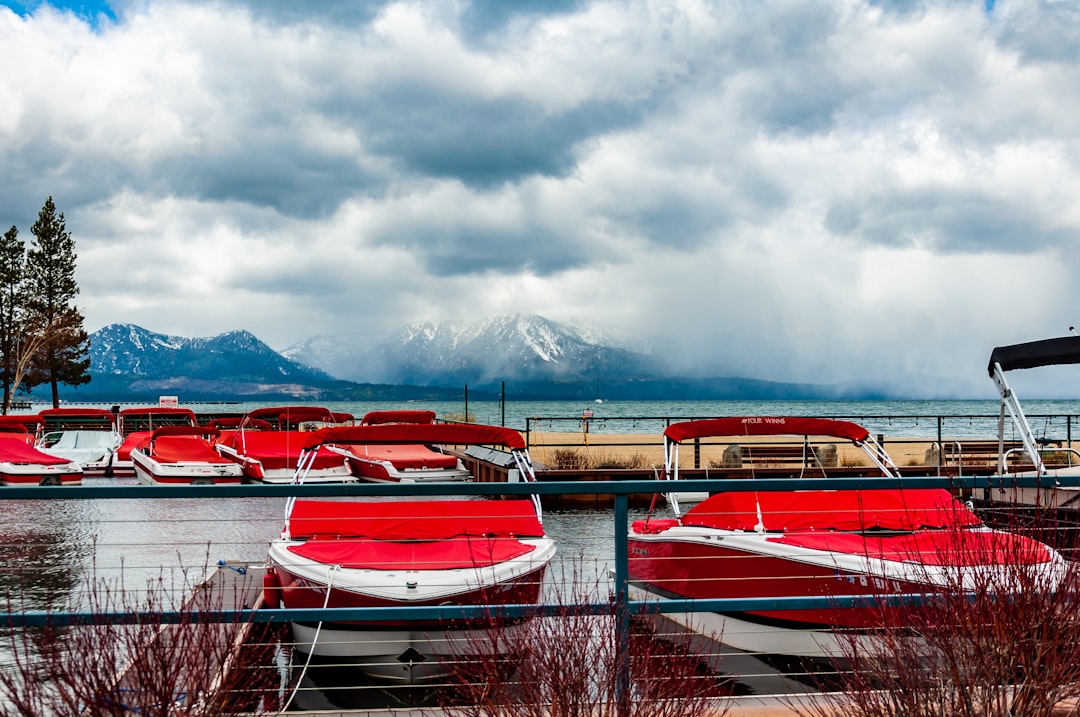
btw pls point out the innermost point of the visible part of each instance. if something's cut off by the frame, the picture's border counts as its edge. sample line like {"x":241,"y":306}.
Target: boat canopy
{"x":413,"y":519}
{"x":1047,"y":352}
{"x":373,"y":418}
{"x":443,"y":433}
{"x":15,"y":423}
{"x":765,"y":426}
{"x":78,"y":417}
{"x":208,"y":431}
{"x":832,"y":510}
{"x":144,"y":419}
{"x":293,"y":414}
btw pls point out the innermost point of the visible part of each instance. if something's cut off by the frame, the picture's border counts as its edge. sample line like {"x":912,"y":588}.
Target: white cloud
{"x":796,"y":191}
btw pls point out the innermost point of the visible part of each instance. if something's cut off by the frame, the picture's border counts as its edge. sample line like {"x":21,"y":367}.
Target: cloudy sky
{"x":793,"y":190}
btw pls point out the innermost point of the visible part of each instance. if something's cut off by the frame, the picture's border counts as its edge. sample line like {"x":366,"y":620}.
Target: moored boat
{"x":136,"y":425}
{"x":22,"y":464}
{"x":869,"y":544}
{"x":183,"y":454}
{"x":1053,"y":493}
{"x":384,"y":553}
{"x":87,"y":436}
{"x":404,"y":462}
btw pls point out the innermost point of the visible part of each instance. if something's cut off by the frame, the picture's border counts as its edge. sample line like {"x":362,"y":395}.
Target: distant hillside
{"x":128,"y":362}
{"x":537,"y":359}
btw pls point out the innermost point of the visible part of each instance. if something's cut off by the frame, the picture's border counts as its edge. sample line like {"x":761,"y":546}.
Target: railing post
{"x":622,"y":667}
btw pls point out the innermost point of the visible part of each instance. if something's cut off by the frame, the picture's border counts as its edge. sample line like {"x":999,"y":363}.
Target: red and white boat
{"x":22,"y":464}
{"x":184,"y":454}
{"x":87,"y":436}
{"x":827,"y":543}
{"x":136,"y":425}
{"x":275,"y":457}
{"x":387,"y":553}
{"x":402,"y":462}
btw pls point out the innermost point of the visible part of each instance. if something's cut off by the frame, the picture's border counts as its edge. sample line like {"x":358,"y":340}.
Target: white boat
{"x":87,"y":436}
{"x":22,"y":464}
{"x":136,"y":425}
{"x":1001,"y":489}
{"x":393,"y":553}
{"x":184,"y":455}
{"x":836,"y":544}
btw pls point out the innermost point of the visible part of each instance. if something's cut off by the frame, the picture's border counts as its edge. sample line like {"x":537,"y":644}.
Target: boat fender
{"x":271,"y":590}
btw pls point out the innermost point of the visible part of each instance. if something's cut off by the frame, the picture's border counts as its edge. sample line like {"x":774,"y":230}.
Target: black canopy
{"x":1033,"y":354}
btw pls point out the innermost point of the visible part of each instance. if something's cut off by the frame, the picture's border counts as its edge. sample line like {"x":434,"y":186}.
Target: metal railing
{"x":621,"y":491}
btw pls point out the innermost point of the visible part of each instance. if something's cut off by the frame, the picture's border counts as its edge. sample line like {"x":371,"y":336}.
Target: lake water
{"x":49,"y":548}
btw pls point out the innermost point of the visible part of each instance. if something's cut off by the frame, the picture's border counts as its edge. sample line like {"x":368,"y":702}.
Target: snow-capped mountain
{"x":523,"y":348}
{"x":129,"y":350}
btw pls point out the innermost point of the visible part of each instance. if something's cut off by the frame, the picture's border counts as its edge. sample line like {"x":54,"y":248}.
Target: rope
{"x":314,"y":640}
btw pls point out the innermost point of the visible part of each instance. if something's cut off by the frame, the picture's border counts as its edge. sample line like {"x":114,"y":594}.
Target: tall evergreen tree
{"x":12,"y":305}
{"x":50,"y":274}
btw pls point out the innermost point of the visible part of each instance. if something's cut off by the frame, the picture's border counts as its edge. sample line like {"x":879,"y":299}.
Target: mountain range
{"x":532,"y":357}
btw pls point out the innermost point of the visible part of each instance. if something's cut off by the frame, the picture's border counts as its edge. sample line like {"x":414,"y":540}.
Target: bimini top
{"x":373,"y":418}
{"x":766,"y":426}
{"x":293,"y":414}
{"x":445,"y":433}
{"x":1048,"y":352}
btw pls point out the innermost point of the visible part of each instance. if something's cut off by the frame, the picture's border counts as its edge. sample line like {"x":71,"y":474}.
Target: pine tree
{"x":50,"y":274}
{"x":12,"y":304}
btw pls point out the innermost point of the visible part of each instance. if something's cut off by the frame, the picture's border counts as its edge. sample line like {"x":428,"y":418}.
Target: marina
{"x":123,"y":529}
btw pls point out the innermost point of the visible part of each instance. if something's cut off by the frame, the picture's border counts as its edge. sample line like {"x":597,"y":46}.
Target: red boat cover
{"x":825,"y":510}
{"x":185,"y":449}
{"x":765,"y":426}
{"x":16,"y":450}
{"x":405,"y":456}
{"x":372,"y":418}
{"x":446,"y":433}
{"x":460,"y":552}
{"x":134,"y":440}
{"x":413,"y":519}
{"x":278,"y":449}
{"x":938,"y":547}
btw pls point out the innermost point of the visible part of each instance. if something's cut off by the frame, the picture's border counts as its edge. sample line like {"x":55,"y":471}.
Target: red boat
{"x":827,"y":543}
{"x":403,"y":462}
{"x":383,"y":553}
{"x":136,"y":425}
{"x":22,"y":464}
{"x":87,"y":436}
{"x":184,"y":454}
{"x":275,"y":457}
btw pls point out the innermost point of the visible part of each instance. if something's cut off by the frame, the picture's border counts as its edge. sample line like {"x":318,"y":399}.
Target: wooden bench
{"x":767,"y":455}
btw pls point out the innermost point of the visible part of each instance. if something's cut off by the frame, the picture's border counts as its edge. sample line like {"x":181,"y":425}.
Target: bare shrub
{"x":851,"y":461}
{"x":993,"y":643}
{"x":637,"y":460}
{"x":570,"y":459}
{"x":568,"y":665}
{"x":146,"y":667}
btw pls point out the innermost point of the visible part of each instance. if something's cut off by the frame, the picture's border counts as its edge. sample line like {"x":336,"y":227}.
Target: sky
{"x":790,"y":190}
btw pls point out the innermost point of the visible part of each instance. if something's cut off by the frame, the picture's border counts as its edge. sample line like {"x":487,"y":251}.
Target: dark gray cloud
{"x":824,"y":181}
{"x":948,"y":222}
